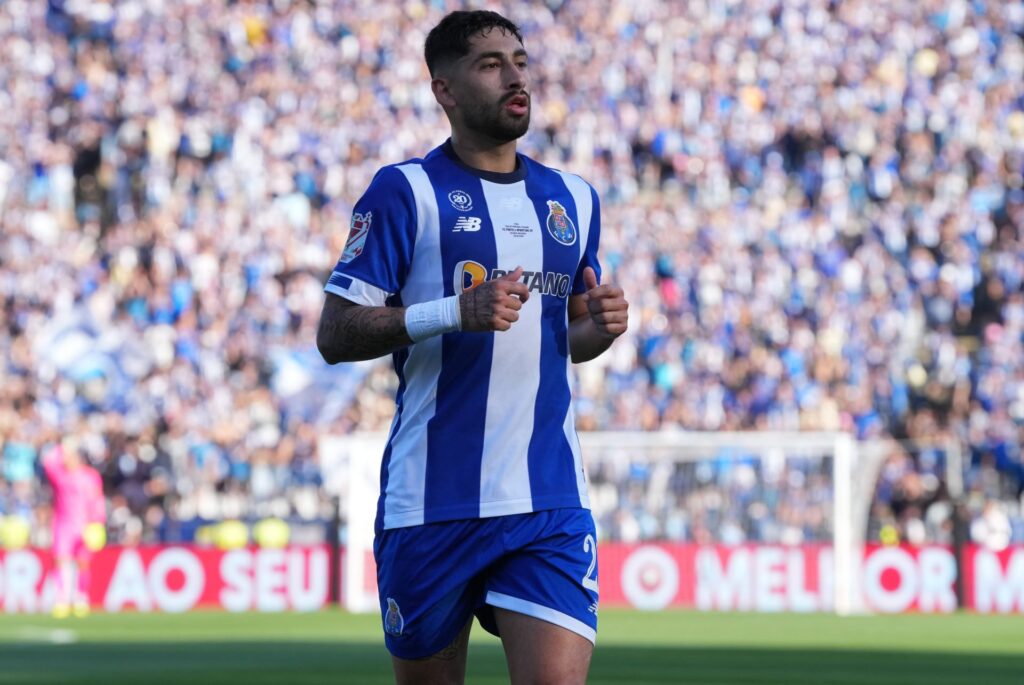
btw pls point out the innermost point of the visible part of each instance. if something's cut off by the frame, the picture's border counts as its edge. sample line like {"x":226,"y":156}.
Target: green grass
{"x":633,"y":647}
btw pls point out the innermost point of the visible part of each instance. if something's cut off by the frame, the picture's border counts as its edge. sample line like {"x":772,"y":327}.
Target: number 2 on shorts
{"x":590,"y":545}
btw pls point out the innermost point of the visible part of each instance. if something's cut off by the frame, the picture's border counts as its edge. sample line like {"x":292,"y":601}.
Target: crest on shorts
{"x":559,"y":224}
{"x":393,"y":621}
{"x":357,"y":232}
{"x":460,"y":200}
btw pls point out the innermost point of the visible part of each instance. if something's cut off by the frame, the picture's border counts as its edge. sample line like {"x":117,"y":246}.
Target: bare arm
{"x":585,"y":341}
{"x":350,"y":332}
{"x":596,"y":319}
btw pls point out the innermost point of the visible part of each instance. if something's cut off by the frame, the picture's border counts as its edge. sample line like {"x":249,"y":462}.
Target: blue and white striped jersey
{"x":483,"y":424}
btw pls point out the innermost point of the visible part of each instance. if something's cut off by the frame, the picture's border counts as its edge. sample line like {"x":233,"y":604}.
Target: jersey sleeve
{"x":53,"y":465}
{"x":378,"y":252}
{"x":590,"y":249}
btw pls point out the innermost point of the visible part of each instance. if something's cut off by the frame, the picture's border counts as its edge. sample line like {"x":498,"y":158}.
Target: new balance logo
{"x":467,"y":223}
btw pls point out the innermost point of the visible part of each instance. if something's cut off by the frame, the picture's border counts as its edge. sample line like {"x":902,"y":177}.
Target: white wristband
{"x":427,"y":319}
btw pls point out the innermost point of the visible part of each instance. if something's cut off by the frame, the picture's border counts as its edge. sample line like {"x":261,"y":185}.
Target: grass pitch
{"x":633,"y":647}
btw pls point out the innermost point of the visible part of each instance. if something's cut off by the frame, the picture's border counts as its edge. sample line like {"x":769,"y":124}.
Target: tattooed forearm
{"x":349,"y":332}
{"x":493,"y":305}
{"x":476,"y":307}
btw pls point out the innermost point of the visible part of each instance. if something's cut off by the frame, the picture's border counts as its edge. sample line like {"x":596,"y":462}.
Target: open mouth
{"x":518,"y":105}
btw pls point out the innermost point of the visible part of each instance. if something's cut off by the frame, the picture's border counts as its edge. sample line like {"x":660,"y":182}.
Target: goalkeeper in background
{"x":79,"y":515}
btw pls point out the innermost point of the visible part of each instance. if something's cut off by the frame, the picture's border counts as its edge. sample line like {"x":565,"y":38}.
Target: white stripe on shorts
{"x":521,"y":606}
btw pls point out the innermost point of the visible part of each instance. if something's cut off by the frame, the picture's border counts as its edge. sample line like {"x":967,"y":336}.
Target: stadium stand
{"x":815,"y":207}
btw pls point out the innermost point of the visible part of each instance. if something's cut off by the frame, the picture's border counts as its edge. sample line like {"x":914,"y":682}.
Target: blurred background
{"x":815,"y":208}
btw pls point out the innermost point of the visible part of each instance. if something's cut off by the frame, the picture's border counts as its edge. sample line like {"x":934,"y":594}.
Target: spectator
{"x":813,"y":236}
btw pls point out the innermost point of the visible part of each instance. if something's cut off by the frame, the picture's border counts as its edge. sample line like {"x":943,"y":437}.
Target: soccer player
{"x":477,"y":268}
{"x":79,"y":514}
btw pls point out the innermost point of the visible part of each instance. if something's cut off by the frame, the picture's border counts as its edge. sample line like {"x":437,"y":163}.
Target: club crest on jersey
{"x":393,"y":621}
{"x":559,"y":224}
{"x":460,"y":200}
{"x":357,"y":232}
{"x":468,"y":275}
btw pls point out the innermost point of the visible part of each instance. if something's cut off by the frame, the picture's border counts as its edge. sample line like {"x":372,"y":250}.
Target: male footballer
{"x":477,"y":268}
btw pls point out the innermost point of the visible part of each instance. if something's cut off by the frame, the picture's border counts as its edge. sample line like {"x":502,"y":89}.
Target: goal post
{"x":351,"y":467}
{"x":852,"y":487}
{"x":670,"y":462}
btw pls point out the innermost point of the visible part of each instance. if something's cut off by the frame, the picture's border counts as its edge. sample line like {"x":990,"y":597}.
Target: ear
{"x":442,"y":92}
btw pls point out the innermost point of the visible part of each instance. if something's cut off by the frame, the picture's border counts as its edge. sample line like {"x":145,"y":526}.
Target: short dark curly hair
{"x":449,"y":40}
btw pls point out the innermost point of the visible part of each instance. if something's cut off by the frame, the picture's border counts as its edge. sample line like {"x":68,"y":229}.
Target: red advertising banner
{"x":176,"y":578}
{"x":745,"y":578}
{"x":766,"y":578}
{"x":994,"y":581}
{"x":899,"y":579}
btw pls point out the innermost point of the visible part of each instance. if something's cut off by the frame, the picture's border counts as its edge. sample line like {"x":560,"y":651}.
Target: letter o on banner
{"x":896,"y":600}
{"x":650,"y":578}
{"x":183,"y":561}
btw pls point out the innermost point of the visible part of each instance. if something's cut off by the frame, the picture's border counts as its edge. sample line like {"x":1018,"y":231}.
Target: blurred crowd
{"x":815,"y":208}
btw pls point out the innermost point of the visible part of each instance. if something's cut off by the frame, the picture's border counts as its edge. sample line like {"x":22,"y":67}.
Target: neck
{"x":485,"y":154}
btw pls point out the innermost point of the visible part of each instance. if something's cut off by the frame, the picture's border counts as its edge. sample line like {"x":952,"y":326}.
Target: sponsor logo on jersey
{"x":460,"y":200}
{"x":357,"y":232}
{"x":542,"y":282}
{"x":393,"y":621}
{"x":469,"y":224}
{"x":468,"y":275}
{"x":559,"y":224}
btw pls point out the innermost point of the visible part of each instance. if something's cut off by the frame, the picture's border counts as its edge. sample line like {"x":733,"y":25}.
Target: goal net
{"x":709,"y":490}
{"x":732,"y":489}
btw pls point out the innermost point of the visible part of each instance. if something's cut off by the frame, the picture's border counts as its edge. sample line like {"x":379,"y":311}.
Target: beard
{"x":495,"y":122}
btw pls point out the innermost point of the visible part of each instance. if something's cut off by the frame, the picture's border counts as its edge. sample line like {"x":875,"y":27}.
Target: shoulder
{"x":569,"y":178}
{"x":390,"y":188}
{"x":392,"y":177}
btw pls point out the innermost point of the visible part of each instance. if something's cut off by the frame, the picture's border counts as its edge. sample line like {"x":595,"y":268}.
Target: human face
{"x":71,"y":454}
{"x":490,"y":87}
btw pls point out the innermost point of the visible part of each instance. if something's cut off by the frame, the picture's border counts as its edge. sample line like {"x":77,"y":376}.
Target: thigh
{"x":446,"y":667}
{"x":64,"y":540}
{"x":542,"y":653}
{"x":550,"y":572}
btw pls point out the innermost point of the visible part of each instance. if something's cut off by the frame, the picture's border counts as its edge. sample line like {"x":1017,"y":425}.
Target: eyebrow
{"x":496,"y":54}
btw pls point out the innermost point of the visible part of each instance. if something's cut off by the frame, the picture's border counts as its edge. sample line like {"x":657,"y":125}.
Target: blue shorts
{"x":433,"y":578}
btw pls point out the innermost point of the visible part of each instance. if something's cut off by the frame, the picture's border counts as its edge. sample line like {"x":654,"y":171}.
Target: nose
{"x":515,"y":78}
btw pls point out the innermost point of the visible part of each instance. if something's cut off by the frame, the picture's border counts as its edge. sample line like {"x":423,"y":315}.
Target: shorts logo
{"x":460,"y":200}
{"x":357,"y":233}
{"x":393,"y":621}
{"x":468,"y":275}
{"x":469,"y":224}
{"x":559,"y":224}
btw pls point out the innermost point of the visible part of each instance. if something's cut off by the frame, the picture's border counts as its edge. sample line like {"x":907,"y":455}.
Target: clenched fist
{"x":494,"y":305}
{"x":606,"y":305}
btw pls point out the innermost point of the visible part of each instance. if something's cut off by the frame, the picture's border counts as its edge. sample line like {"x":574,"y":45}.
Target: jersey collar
{"x":493,"y":176}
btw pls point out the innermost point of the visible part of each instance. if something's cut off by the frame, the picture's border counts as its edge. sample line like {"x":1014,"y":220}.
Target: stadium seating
{"x":811,"y":236}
